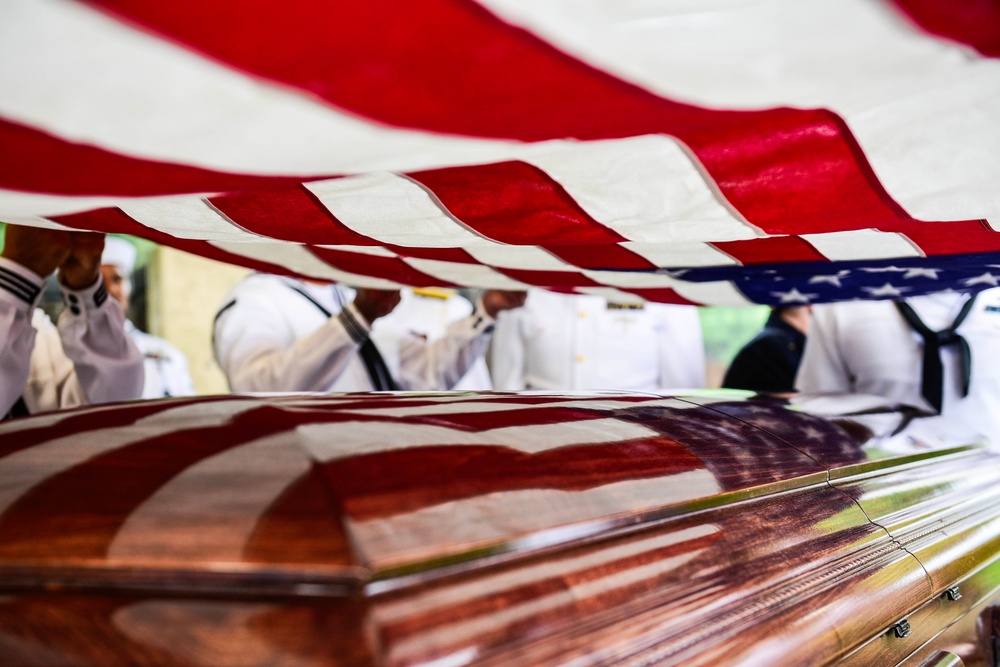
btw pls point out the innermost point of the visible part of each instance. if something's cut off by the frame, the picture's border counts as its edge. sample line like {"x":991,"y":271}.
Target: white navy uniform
{"x":166,"y":367}
{"x":867,"y":347}
{"x":87,"y":358}
{"x":577,"y":342}
{"x":426,"y":313}
{"x":272,"y":334}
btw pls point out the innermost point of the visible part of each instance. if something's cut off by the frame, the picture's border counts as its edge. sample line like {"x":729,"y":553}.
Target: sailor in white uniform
{"x":87,"y":358}
{"x":576,"y":342}
{"x":870,"y":347}
{"x":426,"y":313}
{"x":274,"y":333}
{"x":166,"y":367}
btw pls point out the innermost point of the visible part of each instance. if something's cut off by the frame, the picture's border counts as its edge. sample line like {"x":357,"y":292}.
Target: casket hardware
{"x":953,"y":593}
{"x":901,"y":629}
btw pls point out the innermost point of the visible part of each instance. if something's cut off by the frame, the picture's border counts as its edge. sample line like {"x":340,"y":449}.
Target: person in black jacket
{"x":769,"y":362}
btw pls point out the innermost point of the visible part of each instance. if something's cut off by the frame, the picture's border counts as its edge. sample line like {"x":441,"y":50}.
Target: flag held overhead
{"x":763,"y":152}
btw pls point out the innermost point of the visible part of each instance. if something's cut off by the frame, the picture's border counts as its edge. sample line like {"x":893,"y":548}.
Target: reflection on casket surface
{"x":451,"y":529}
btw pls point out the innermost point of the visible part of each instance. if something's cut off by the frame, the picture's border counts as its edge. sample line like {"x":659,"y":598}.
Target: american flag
{"x":716,"y":152}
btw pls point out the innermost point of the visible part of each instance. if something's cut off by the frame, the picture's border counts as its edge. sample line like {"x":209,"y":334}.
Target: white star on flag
{"x":921,"y":273}
{"x":886,"y":290}
{"x":985,"y":279}
{"x":883,"y":269}
{"x":833,"y":279}
{"x":794,"y":296}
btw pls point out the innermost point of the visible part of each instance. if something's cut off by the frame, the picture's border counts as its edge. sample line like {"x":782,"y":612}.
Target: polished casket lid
{"x":307,"y":494}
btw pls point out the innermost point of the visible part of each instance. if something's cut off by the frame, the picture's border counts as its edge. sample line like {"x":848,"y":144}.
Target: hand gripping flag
{"x":721,"y":152}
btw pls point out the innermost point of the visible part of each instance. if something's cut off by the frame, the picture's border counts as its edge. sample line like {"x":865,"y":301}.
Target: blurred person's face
{"x":118,"y":284}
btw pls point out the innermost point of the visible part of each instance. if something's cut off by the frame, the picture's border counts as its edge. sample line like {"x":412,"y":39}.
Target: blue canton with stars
{"x":825,"y":282}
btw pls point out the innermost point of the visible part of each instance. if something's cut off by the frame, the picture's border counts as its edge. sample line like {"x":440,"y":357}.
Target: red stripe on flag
{"x":456,"y":255}
{"x":115,"y":221}
{"x":450,"y":66}
{"x":289,"y":213}
{"x":514,"y":203}
{"x":771,"y":250}
{"x":37,"y":162}
{"x":389,"y":268}
{"x":610,"y":257}
{"x":972,"y":22}
{"x":661,"y":295}
{"x":549,"y":278}
{"x":950,"y":238}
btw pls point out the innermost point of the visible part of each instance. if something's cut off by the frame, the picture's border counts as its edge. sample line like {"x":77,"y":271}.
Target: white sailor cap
{"x":119,"y":252}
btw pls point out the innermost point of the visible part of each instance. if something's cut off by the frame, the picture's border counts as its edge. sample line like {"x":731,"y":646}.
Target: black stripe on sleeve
{"x":354,"y":329}
{"x":19,"y":286}
{"x":100,"y":295}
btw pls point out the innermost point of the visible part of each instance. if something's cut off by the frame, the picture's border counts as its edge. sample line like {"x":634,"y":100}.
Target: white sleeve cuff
{"x":20,"y":285}
{"x":79,"y":303}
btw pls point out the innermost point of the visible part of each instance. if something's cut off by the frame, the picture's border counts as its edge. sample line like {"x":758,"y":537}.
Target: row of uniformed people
{"x":279,"y":333}
{"x":275,"y":333}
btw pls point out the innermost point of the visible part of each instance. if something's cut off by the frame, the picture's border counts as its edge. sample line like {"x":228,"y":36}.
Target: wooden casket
{"x":494,"y":529}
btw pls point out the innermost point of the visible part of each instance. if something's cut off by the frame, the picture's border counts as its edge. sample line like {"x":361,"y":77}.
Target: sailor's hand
{"x":82,"y":266}
{"x":495,"y":300}
{"x":375,"y":303}
{"x":36,"y":249}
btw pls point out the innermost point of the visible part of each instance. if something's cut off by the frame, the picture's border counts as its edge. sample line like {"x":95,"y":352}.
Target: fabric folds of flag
{"x":718,"y":152}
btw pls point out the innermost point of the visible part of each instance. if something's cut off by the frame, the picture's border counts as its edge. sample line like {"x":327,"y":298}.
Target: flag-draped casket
{"x":726,"y":152}
{"x":493,"y":529}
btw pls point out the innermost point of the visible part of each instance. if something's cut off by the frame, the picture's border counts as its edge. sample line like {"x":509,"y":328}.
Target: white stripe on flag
{"x":680,"y":254}
{"x":601,"y":178}
{"x":392,"y":209}
{"x":912,"y":143}
{"x":26,"y":207}
{"x":519,"y":257}
{"x":475,"y":275}
{"x":186,"y":217}
{"x":299,"y":258}
{"x":718,"y":293}
{"x":862,"y":244}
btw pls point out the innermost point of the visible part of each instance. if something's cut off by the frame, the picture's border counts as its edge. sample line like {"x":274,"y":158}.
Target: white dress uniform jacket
{"x":867,"y":347}
{"x":269,"y":337}
{"x":576,"y":342}
{"x":88,"y":359}
{"x":426,"y":313}
{"x":166,"y":367}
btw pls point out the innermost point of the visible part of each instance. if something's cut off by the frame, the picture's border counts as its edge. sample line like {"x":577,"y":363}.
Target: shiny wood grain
{"x":490,"y":529}
{"x":695,"y":588}
{"x":124,"y":631}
